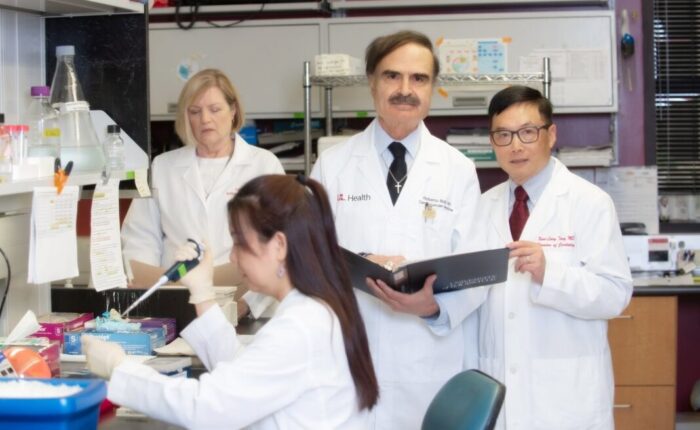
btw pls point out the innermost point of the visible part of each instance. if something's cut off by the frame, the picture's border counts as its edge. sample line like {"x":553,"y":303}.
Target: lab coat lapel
{"x":239,"y":161}
{"x":369,"y":165}
{"x":422,"y":171}
{"x":500,"y":212}
{"x":191,"y":176}
{"x":545,"y":208}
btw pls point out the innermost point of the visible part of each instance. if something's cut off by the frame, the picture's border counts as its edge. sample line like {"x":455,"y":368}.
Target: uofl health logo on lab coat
{"x":353,"y":197}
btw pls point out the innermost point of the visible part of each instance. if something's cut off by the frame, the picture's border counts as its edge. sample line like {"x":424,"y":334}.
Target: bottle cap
{"x":113,"y":128}
{"x":42,"y":90}
{"x":65,"y":50}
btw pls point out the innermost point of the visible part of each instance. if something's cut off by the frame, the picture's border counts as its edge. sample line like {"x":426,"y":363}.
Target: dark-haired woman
{"x":308,"y":368}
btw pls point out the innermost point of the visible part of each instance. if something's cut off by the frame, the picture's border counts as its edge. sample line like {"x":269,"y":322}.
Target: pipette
{"x":173,"y":274}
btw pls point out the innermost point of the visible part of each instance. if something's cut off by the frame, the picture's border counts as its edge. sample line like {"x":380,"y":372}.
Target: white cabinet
{"x":262,"y":59}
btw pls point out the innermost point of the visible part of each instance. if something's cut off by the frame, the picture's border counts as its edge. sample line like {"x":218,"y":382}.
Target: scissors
{"x":60,"y":175}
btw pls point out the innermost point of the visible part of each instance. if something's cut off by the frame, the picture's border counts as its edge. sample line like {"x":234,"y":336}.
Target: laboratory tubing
{"x":44,"y":135}
{"x":114,"y":148}
{"x":65,"y":86}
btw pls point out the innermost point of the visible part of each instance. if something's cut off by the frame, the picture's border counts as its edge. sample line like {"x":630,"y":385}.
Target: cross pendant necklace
{"x":398,"y":183}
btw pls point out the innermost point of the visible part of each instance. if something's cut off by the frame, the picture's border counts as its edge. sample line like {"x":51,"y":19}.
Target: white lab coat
{"x":154,"y":228}
{"x":548,"y":343}
{"x":294,"y":375}
{"x":412,"y":359}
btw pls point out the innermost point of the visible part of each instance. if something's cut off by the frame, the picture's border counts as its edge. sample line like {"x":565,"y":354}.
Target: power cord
{"x":194,"y":12}
{"x":9,"y":278}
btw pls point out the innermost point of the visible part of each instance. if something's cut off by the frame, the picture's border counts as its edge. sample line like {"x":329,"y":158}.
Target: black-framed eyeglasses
{"x":527,"y":134}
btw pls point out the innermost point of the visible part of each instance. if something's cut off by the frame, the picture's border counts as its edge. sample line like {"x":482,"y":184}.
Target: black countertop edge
{"x":667,"y":290}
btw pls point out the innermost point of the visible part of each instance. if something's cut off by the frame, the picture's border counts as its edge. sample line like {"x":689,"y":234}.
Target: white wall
{"x":21,"y":66}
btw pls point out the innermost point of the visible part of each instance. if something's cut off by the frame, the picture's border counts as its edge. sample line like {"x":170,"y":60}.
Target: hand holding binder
{"x":454,"y":272}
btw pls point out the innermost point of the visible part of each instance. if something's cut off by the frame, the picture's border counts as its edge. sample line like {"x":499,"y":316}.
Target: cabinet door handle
{"x":624,"y":317}
{"x":622,"y":406}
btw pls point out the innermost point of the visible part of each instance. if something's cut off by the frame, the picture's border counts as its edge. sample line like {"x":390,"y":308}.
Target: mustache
{"x":401,"y":99}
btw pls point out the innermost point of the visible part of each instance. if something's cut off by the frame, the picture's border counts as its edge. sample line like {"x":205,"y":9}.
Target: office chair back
{"x":470,"y":400}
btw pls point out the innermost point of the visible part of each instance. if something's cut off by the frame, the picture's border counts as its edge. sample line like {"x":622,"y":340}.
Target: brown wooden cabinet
{"x":643,"y":345}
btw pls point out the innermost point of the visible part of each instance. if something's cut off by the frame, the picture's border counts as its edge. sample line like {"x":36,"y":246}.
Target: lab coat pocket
{"x":437,"y":233}
{"x":570,"y":393}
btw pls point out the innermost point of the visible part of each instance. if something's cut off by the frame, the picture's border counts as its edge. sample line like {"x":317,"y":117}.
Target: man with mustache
{"x":400,"y":193}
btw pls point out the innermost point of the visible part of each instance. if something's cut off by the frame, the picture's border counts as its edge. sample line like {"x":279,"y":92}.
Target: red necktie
{"x":518,"y":217}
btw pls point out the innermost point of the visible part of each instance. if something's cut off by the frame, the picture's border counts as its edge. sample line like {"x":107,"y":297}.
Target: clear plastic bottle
{"x":44,"y":137}
{"x":79,"y":141}
{"x":114,"y":148}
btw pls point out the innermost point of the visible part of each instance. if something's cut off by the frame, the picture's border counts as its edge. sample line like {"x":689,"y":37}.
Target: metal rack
{"x":330,"y":82}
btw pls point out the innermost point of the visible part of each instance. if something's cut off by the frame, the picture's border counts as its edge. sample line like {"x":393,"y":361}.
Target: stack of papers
{"x":474,"y":143}
{"x":587,"y":156}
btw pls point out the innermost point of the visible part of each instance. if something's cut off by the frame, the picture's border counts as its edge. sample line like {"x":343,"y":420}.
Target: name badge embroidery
{"x":432,"y":203}
{"x":557,"y":241}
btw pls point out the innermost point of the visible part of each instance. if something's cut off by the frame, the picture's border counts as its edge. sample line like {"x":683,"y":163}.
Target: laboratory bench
{"x":110,"y":421}
{"x":653,"y":343}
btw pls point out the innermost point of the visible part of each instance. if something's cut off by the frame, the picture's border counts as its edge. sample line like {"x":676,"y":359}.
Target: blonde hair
{"x":195,"y":87}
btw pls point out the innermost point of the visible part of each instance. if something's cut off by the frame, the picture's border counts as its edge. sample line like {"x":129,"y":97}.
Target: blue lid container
{"x":78,"y":411}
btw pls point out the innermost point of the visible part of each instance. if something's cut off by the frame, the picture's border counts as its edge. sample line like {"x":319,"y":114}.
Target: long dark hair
{"x":299,"y":208}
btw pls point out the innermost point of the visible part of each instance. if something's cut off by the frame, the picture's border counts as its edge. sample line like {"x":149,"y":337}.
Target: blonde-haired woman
{"x":192,"y":185}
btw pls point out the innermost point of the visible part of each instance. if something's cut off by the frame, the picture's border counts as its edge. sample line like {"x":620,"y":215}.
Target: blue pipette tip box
{"x":80,"y":410}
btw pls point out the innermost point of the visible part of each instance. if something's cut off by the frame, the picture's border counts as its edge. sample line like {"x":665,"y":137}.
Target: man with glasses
{"x":544,"y":331}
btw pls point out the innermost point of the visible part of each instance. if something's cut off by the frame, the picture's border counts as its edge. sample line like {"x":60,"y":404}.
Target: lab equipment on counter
{"x":65,"y":87}
{"x":78,"y":138}
{"x":44,"y":136}
{"x":173,"y":274}
{"x":663,"y":259}
{"x":114,"y":148}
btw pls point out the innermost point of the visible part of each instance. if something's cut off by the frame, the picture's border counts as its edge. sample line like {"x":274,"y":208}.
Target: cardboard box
{"x":134,"y":342}
{"x":54,"y":324}
{"x":168,"y":324}
{"x":337,"y":65}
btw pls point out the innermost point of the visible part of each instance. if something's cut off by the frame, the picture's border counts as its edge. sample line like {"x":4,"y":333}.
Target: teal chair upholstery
{"x":470,"y":400}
